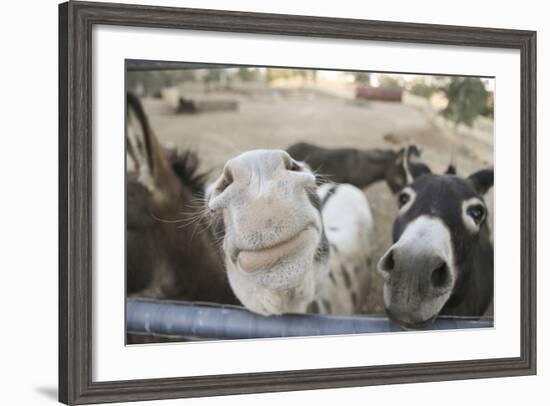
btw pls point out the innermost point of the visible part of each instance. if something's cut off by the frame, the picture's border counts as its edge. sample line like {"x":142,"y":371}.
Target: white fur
{"x":412,"y":197}
{"x":264,"y":206}
{"x":429,"y":235}
{"x":408,"y":176}
{"x":348,"y":226}
{"x":423,"y":237}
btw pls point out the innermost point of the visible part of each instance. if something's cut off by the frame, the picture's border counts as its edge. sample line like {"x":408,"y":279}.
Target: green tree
{"x":184,"y":75}
{"x":212,"y":75}
{"x":489,"y":109}
{"x":153,"y":80}
{"x":247,"y":74}
{"x":389,"y":81}
{"x":467,"y":99}
{"x":361,"y":77}
{"x":420,"y":87}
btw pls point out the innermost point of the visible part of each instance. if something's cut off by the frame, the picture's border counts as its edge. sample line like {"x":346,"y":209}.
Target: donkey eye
{"x":403,"y":199}
{"x":477,"y":213}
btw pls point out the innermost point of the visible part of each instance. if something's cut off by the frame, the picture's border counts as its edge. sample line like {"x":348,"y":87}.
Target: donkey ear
{"x":413,"y":167}
{"x":145,"y":155}
{"x":451,"y":170}
{"x":405,"y":167}
{"x":482,"y":180}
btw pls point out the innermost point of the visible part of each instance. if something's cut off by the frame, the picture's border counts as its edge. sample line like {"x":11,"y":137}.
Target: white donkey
{"x":289,"y":245}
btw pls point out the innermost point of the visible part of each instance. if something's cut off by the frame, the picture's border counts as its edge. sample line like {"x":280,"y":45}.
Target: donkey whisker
{"x":165,"y":220}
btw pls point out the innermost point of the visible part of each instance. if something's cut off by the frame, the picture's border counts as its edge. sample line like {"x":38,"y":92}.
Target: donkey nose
{"x":440,"y":277}
{"x":386,"y":264}
{"x":233,"y":171}
{"x":428,"y":268}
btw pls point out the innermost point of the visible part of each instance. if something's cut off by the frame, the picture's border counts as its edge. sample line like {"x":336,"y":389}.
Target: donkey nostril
{"x":441,"y":276}
{"x":226,"y":180}
{"x":291,"y":164}
{"x":388,"y":262}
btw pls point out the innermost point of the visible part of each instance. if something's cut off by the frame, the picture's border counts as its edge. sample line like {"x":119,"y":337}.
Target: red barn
{"x":384,"y":93}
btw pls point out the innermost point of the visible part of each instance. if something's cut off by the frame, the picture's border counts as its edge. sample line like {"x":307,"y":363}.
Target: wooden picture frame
{"x":76,"y":20}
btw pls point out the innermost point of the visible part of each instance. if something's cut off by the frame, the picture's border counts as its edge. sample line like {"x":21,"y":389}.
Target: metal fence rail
{"x":191,"y":319}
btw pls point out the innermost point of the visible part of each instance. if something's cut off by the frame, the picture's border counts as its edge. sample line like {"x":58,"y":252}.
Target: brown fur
{"x":167,"y":256}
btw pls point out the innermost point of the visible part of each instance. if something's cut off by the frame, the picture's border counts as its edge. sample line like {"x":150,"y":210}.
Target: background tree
{"x":489,"y":110}
{"x":361,"y":77}
{"x":419,"y":87}
{"x":150,"y":82}
{"x":247,"y":74}
{"x":389,"y":81}
{"x":212,"y":76}
{"x":467,"y":99}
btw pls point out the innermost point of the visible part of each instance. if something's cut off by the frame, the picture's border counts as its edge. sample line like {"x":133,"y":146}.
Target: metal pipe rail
{"x":205,"y":320}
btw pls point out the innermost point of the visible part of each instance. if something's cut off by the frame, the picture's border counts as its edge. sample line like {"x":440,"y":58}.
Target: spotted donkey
{"x":290,"y":245}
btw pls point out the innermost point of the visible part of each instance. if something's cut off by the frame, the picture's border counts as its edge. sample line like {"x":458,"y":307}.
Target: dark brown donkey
{"x":168,"y":255}
{"x":441,"y":261}
{"x":358,"y":167}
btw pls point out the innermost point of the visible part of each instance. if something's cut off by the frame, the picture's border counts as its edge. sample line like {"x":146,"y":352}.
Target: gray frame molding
{"x":76,"y":20}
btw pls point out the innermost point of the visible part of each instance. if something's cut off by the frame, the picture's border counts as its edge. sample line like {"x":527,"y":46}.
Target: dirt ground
{"x":279,"y":119}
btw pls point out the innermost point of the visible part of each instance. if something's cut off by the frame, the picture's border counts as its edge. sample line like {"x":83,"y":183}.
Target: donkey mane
{"x":186,"y":167}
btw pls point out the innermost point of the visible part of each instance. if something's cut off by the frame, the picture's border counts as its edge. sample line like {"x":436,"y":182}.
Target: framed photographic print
{"x":257,"y":202}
